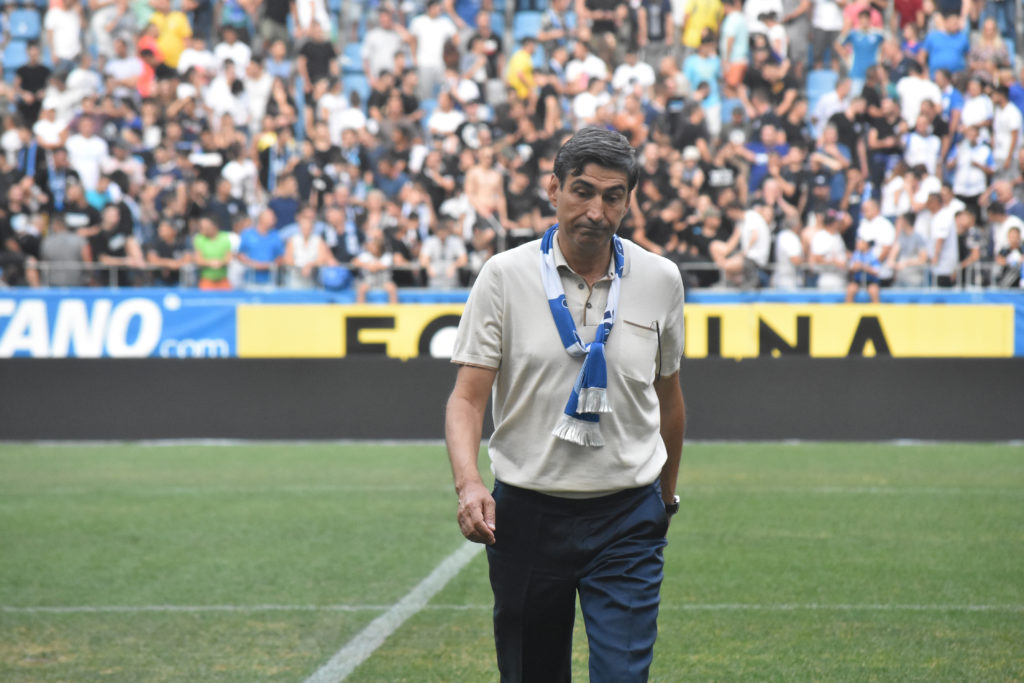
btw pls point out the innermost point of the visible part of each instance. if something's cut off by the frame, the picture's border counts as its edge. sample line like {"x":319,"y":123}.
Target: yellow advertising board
{"x":334,"y":331}
{"x":728,"y":331}
{"x":838,"y":331}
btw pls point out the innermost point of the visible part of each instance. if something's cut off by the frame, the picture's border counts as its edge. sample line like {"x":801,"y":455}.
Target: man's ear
{"x":553,"y":186}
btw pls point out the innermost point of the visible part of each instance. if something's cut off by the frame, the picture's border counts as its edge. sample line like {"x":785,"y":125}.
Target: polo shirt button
{"x":589,"y":305}
{"x":580,"y":285}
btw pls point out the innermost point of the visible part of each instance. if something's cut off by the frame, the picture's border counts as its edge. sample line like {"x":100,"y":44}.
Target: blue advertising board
{"x":84,"y":323}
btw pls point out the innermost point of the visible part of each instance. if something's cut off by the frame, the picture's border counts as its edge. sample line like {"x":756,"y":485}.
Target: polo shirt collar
{"x":561,"y":262}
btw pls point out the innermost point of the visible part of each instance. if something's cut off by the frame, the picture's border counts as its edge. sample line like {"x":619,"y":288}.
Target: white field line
{"x":366,"y":642}
{"x":665,"y":607}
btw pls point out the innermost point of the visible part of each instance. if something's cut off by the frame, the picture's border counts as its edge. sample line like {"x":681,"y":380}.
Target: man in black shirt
{"x":30,"y":84}
{"x":851,"y":128}
{"x":274,"y":22}
{"x":317,"y":60}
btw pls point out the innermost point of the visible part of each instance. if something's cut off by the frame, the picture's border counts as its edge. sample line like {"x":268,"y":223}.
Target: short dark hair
{"x":606,"y":148}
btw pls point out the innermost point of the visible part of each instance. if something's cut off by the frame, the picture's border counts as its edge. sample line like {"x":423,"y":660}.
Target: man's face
{"x":589,"y":206}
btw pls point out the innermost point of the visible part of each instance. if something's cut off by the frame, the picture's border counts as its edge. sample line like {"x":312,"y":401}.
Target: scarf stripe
{"x":580,"y":423}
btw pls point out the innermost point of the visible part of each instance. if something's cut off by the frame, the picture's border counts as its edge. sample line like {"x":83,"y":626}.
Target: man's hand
{"x":476,"y":513}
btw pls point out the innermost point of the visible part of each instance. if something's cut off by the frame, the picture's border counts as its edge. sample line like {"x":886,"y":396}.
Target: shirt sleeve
{"x":673,"y":336}
{"x":479,"y":338}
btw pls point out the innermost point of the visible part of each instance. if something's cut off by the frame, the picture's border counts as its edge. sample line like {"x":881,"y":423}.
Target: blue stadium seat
{"x":498,"y":23}
{"x":24,"y":24}
{"x":15,"y":56}
{"x":819,"y":82}
{"x":525,"y":24}
{"x":352,"y":58}
{"x":427,"y":107}
{"x":356,"y":82}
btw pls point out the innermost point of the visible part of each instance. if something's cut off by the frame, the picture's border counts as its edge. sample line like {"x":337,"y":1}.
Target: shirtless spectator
{"x":486,"y":195}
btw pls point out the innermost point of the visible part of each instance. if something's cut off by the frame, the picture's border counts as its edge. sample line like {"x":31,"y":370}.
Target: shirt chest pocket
{"x":633,"y":351}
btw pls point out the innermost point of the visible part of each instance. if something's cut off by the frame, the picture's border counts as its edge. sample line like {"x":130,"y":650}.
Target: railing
{"x":980,"y":275}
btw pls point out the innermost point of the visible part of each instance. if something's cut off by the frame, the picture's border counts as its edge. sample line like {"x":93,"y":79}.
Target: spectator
{"x":375,"y":270}
{"x":117,"y":249}
{"x":273,"y":26}
{"x":826,"y":22}
{"x":305,"y":252}
{"x":1007,"y":135}
{"x":63,"y":26}
{"x":443,"y":255}
{"x":231,"y":49}
{"x":863,"y":42}
{"x":64,"y":254}
{"x":944,"y":247}
{"x":1010,"y":259}
{"x":382,"y":43}
{"x":519,"y":76}
{"x":908,"y":258}
{"x":913,"y":89}
{"x":1000,"y":225}
{"x":734,"y":46}
{"x":212,"y":249}
{"x":973,"y":163}
{"x":863,"y":272}
{"x":429,"y":32}
{"x":167,"y":255}
{"x":30,"y":81}
{"x":701,"y":18}
{"x":947,"y":47}
{"x":828,"y":256}
{"x":172,"y":30}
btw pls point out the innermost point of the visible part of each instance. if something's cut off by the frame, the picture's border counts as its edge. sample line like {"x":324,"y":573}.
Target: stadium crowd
{"x":834,"y":144}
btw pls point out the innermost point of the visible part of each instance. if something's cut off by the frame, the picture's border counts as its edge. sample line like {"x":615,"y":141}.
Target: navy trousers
{"x":548,"y":549}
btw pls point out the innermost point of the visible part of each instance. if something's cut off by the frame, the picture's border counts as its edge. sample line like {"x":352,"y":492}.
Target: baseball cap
{"x":691,"y":153}
{"x":737,"y":137}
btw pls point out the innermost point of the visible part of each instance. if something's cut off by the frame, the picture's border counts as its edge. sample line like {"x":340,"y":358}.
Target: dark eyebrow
{"x":584,"y":185}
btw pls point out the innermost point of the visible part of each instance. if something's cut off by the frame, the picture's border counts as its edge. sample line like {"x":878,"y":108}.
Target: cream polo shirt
{"x":507,"y":325}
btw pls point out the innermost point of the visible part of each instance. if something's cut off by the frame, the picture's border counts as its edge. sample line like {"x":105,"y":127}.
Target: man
{"x":428,"y":33}
{"x":947,"y":48}
{"x":65,"y":253}
{"x":30,"y":85}
{"x":877,"y":231}
{"x":603,"y":482}
{"x":1007,"y":125}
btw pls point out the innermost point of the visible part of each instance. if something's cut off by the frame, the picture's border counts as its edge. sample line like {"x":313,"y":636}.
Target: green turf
{"x":787,"y":562}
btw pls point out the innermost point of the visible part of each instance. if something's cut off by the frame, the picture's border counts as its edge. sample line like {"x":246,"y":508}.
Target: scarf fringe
{"x":579,"y":432}
{"x":593,"y":400}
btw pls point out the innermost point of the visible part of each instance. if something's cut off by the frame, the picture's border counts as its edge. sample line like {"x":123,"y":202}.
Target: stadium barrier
{"x":981,"y":275}
{"x":372,"y":397}
{"x":183,"y":323}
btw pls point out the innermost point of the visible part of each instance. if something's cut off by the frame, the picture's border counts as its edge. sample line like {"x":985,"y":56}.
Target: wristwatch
{"x":673,"y":507}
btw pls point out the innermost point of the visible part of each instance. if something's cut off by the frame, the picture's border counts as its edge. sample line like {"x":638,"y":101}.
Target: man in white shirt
{"x":583,"y":66}
{"x":197,"y":56}
{"x":921,"y":146}
{"x":1000,"y":224}
{"x":382,"y":43}
{"x":828,"y":254}
{"x":829,"y":104}
{"x":880,"y":233}
{"x":914,"y":89}
{"x":87,"y":151}
{"x":973,"y":163}
{"x":429,"y":32}
{"x":943,"y":248}
{"x":63,"y":24}
{"x":125,"y":69}
{"x":231,"y":48}
{"x":789,"y":257}
{"x":1007,"y":124}
{"x":632,"y":73}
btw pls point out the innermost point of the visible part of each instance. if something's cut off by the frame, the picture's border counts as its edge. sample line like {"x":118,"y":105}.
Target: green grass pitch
{"x":259,"y":562}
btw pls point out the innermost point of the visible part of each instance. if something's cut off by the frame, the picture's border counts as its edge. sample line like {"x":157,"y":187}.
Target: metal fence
{"x":977,"y":276}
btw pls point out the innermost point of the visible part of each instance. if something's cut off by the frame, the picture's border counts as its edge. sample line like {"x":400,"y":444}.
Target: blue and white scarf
{"x":580,"y":423}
